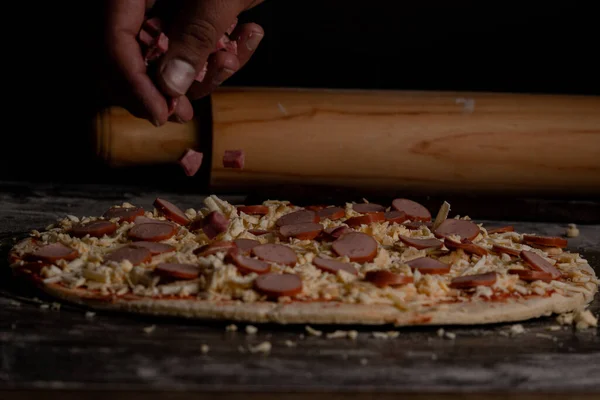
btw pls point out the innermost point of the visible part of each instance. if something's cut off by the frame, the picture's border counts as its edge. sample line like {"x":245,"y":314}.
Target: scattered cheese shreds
{"x":264,"y":347}
{"x":313,"y":332}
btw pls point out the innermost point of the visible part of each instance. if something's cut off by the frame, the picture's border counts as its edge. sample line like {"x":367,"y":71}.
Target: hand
{"x":194,"y":28}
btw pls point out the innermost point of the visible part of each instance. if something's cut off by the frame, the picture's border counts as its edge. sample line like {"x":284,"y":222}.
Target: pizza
{"x":356,"y":263}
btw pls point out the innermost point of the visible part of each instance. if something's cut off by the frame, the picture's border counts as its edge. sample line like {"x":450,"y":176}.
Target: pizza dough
{"x":274,"y":262}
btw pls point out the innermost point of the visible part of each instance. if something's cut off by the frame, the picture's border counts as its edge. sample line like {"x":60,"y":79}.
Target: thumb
{"x":193,"y":36}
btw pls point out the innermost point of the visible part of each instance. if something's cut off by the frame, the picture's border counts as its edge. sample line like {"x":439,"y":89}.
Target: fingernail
{"x":156,"y":123}
{"x":178,"y":76}
{"x":253,"y":40}
{"x":222,"y":75}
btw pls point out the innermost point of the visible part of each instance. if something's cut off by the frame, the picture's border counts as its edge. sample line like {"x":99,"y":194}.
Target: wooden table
{"x":46,"y":352}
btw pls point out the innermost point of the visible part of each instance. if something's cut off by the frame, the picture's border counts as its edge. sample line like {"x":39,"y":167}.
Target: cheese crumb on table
{"x":44,"y":306}
{"x":90,"y":314}
{"x":572,"y":231}
{"x":264,"y":347}
{"x":553,"y":328}
{"x":204,"y":348}
{"x":451,"y":335}
{"x":150,"y":329}
{"x":440,"y":332}
{"x":364,"y":361}
{"x":231,"y":328}
{"x":582,"y":319}
{"x":337,"y":335}
{"x":517,"y":329}
{"x":312,"y":331}
{"x":251,"y":330}
{"x":289,"y":343}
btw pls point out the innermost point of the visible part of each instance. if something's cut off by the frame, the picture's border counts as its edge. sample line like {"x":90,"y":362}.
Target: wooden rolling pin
{"x":424,"y":141}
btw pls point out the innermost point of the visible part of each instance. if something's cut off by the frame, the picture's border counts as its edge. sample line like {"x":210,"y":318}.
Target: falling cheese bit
{"x":572,"y":231}
{"x":231,"y":328}
{"x":204,"y":348}
{"x":251,"y":330}
{"x":313,"y":332}
{"x":442,"y":215}
{"x":264,"y":347}
{"x":517,"y":329}
{"x":150,"y":329}
{"x":584,"y":320}
{"x":289,"y":343}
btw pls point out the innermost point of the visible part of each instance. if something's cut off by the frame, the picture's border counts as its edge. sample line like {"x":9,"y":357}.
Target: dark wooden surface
{"x":44,"y":352}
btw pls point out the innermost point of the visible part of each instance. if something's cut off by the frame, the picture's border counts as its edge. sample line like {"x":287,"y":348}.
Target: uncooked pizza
{"x":356,"y":263}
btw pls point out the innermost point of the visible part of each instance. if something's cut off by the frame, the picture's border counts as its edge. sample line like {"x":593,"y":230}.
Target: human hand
{"x":194,"y":30}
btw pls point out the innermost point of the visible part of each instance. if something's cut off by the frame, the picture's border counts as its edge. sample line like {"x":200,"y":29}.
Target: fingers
{"x":183,"y":111}
{"x":221,"y":66}
{"x":192,"y":38}
{"x":248,"y":37}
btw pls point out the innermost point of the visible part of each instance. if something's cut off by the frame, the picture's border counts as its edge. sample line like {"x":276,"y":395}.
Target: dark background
{"x":430,"y":45}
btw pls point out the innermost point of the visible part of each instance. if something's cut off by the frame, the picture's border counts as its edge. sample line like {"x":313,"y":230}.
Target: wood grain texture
{"x":46,"y":352}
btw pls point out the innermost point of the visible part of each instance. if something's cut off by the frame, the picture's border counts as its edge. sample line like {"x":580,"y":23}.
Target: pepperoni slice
{"x":333,"y":266}
{"x":367,"y":208}
{"x":386,"y":278}
{"x":152,"y":232}
{"x":395,"y":217}
{"x":416,"y":225}
{"x":366,"y":219}
{"x":246,"y":245}
{"x":528,"y":275}
{"x":331,"y":213}
{"x":53,"y":252}
{"x":421,"y":244}
{"x":306,"y":231}
{"x":178,"y":271}
{"x":471,"y":281}
{"x":253,"y":210}
{"x":506,"y":250}
{"x":247,"y":265}
{"x":154,"y":247}
{"x":298,"y":217}
{"x":467,"y":246}
{"x":214,"y":248}
{"x":214,"y":224}
{"x":94,"y":229}
{"x":501,"y":229}
{"x":276,"y":253}
{"x":124,"y":214}
{"x":357,"y":246}
{"x":546,"y":241}
{"x":135,"y":255}
{"x":277,"y":285}
{"x":460,"y":227}
{"x":414,"y":211}
{"x":427,"y":265}
{"x":171,"y":212}
{"x":537,"y":263}
{"x":258,"y":232}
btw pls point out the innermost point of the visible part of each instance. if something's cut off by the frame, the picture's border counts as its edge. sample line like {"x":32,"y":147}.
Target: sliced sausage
{"x":501,"y":229}
{"x":154,"y":247}
{"x":416,"y":225}
{"x":338,"y":231}
{"x":414,"y":211}
{"x":366,"y":219}
{"x":528,"y":275}
{"x":214,"y":224}
{"x":234,"y":159}
{"x":152,"y":232}
{"x":430,"y":266}
{"x":306,"y":231}
{"x":124,"y":214}
{"x":331,"y":213}
{"x":421,"y":244}
{"x":51,"y":253}
{"x":386,"y":278}
{"x":34,"y":267}
{"x":214,"y":248}
{"x":143,"y":220}
{"x":298,"y":217}
{"x":171,"y":212}
{"x":333,"y":266}
{"x":276,"y":253}
{"x":467,"y":246}
{"x":506,"y":250}
{"x":191,"y":161}
{"x":253,"y":210}
{"x":367,"y":208}
{"x":357,"y":246}
{"x":276,"y":285}
{"x":460,"y":227}
{"x":395,"y":217}
{"x":246,"y":245}
{"x":546,"y":241}
{"x":178,"y":271}
{"x":537,"y":263}
{"x":258,"y":232}
{"x":94,"y":229}
{"x":247,"y":265}
{"x":316,"y":208}
{"x":135,"y":255}
{"x":471,"y":281}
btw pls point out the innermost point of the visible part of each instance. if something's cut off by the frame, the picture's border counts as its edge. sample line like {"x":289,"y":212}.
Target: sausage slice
{"x":214,"y":248}
{"x":545,"y":241}
{"x":245,"y":245}
{"x":306,"y":231}
{"x":214,"y":224}
{"x":501,"y":229}
{"x":135,"y":255}
{"x":258,"y":232}
{"x":471,"y":281}
{"x":234,"y":159}
{"x":467,"y":246}
{"x":154,"y":247}
{"x":413,"y":210}
{"x":124,"y":214}
{"x":178,"y":271}
{"x":537,"y":263}
{"x":367,"y":208}
{"x":396,"y":217}
{"x":298,"y":217}
{"x":386,"y":278}
{"x":247,"y":265}
{"x":276,"y":285}
{"x":333,"y":266}
{"x":421,"y":244}
{"x":253,"y":210}
{"x":152,"y":232}
{"x":528,"y":275}
{"x":358,"y":246}
{"x":94,"y":229}
{"x":171,"y":212}
{"x":53,"y":252}
{"x":430,"y":266}
{"x":416,"y":225}
{"x":276,"y":253}
{"x":366,"y":219}
{"x":331,"y":213}
{"x":461,"y":227}
{"x":506,"y":250}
